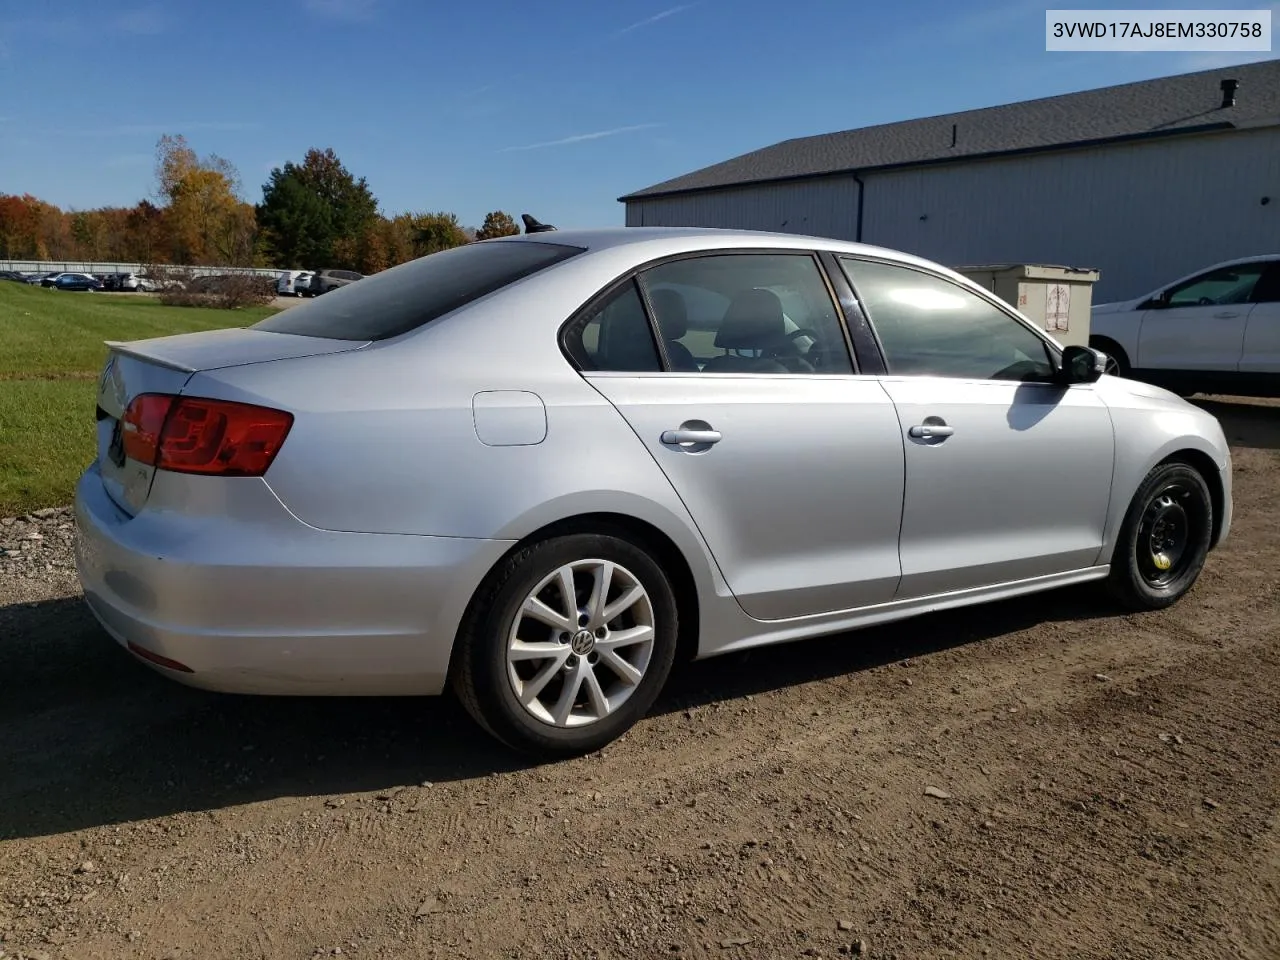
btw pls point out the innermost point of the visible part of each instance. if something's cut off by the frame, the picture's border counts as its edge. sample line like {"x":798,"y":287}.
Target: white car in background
{"x":137,"y":284}
{"x":1213,"y":331}
{"x":292,"y":282}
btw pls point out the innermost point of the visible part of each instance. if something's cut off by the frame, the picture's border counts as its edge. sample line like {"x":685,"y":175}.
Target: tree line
{"x":314,"y":214}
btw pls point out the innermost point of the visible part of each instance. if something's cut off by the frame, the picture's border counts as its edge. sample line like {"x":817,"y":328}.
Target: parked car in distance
{"x":47,"y":279}
{"x":542,"y":467}
{"x":13,"y":275}
{"x":322,"y":281}
{"x":1214,"y":331}
{"x":290,"y":281}
{"x":77,"y":281}
{"x":137,"y":283}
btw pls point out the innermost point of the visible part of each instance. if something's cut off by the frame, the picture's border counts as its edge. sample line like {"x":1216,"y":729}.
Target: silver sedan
{"x":540,"y":469}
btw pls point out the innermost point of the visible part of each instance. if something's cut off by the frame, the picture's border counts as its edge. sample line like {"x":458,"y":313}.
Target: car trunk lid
{"x":165,"y":365}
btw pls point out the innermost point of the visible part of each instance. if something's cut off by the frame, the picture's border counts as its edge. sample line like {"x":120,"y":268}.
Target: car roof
{"x":674,"y":240}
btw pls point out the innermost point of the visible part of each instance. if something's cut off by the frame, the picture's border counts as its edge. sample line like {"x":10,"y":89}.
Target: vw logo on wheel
{"x":582,"y":642}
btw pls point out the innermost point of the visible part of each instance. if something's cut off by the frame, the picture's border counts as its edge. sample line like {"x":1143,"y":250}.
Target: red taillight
{"x":143,"y":421}
{"x":196,"y":435}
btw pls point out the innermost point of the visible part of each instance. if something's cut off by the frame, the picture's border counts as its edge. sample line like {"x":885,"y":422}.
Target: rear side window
{"x":413,"y":294}
{"x":615,"y":335}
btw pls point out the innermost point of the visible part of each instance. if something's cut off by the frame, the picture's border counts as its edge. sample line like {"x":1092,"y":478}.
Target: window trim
{"x":633,"y":275}
{"x":1052,"y":349}
{"x":858,"y":328}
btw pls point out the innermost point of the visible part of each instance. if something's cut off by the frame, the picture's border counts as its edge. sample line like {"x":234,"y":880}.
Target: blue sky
{"x":555,"y":107}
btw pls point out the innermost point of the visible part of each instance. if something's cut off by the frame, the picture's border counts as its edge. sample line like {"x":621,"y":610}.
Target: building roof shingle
{"x":1164,"y":106}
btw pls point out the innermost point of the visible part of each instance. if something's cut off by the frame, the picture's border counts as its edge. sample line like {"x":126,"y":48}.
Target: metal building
{"x":1144,"y":181}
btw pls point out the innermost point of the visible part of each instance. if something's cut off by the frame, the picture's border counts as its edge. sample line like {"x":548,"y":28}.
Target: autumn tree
{"x":208,"y":222}
{"x":497,"y":224}
{"x":145,"y":237}
{"x":432,"y":232}
{"x":19,"y":227}
{"x":317,"y":214}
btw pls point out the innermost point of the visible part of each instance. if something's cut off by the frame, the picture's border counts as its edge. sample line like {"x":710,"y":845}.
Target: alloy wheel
{"x":581,"y":642}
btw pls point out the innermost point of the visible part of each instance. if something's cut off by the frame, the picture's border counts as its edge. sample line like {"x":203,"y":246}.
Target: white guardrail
{"x":85,"y":266}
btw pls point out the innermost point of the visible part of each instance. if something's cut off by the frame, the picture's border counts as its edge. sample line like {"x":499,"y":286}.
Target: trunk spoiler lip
{"x":127,"y":349}
{"x":137,"y":350}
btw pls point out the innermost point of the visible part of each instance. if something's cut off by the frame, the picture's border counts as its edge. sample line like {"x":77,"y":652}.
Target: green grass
{"x":51,"y":351}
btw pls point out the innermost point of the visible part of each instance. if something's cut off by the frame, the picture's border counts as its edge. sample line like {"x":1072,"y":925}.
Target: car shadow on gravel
{"x":89,"y":738}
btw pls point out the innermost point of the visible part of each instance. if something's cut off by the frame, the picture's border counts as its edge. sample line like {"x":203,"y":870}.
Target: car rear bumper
{"x":251,"y":600}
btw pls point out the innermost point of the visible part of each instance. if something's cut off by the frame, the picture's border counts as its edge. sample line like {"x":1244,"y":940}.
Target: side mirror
{"x":1081,"y":364}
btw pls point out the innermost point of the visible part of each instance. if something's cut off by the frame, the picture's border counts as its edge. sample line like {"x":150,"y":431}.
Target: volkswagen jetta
{"x":538,"y":469}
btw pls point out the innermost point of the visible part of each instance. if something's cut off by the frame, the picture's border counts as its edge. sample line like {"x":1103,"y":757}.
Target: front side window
{"x":614,"y":335}
{"x":929,"y":326}
{"x":1228,"y":285}
{"x":747,"y":313}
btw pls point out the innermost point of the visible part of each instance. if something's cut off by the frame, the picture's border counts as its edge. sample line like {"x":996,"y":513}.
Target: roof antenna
{"x":531,"y":225}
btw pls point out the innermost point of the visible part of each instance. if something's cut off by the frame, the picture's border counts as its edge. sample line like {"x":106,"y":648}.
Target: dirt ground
{"x":1109,"y":787}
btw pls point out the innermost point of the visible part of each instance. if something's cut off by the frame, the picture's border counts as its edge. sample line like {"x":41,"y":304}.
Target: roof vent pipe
{"x":1229,"y":88}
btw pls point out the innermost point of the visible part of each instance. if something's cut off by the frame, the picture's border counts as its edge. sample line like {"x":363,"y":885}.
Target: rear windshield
{"x":405,"y":297}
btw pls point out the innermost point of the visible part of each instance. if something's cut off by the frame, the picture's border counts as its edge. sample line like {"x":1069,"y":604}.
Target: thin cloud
{"x":582,"y":137}
{"x":147,"y":21}
{"x":655,"y":18}
{"x":342,"y":9}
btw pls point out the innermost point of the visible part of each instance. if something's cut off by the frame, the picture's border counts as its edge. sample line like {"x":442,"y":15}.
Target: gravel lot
{"x":1038,"y":778}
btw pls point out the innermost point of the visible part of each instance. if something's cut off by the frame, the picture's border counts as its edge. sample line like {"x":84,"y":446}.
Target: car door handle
{"x":1226,"y":315}
{"x":931,"y":431}
{"x":684,"y":435}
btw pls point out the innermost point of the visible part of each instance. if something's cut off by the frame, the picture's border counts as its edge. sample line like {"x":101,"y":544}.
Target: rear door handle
{"x":1226,"y":315}
{"x":931,"y":431}
{"x":684,"y":435}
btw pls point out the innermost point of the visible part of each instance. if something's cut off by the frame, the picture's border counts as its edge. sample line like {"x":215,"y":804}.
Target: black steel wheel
{"x":1164,"y":540}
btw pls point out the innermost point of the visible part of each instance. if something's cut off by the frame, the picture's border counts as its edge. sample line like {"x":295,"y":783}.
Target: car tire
{"x":1115,"y":353}
{"x":1164,"y":540}
{"x":499,"y":664}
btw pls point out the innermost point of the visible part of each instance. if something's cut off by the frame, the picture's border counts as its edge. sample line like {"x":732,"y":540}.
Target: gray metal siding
{"x":1141,"y":213}
{"x":824,"y":208}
